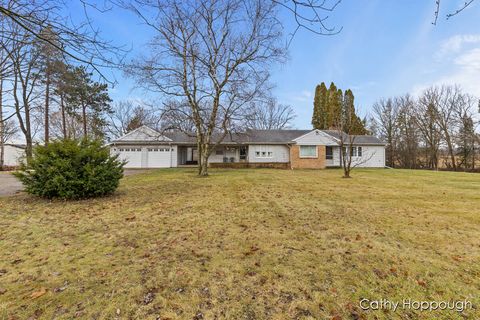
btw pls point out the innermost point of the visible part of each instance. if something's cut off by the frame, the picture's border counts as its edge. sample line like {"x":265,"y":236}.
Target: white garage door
{"x":158,"y":157}
{"x":133,"y":156}
{"x":142,"y":157}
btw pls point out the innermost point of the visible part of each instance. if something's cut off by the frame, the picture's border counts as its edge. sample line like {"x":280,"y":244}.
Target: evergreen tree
{"x":91,"y":98}
{"x":332,"y":109}
{"x":333,"y":106}
{"x":319,"y":107}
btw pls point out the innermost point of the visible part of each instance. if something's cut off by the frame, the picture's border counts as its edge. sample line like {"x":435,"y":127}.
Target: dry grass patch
{"x":245,"y":244}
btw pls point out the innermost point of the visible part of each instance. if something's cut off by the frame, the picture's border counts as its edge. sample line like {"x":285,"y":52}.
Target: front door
{"x":243,"y":153}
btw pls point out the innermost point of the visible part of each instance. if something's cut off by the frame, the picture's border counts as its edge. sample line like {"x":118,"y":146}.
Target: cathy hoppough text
{"x":385,"y":304}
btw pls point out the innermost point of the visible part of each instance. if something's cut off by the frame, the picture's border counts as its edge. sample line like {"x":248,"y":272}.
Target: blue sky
{"x":386,"y":48}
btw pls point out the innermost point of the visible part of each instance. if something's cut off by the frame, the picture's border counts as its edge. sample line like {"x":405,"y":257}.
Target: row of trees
{"x":44,"y":91}
{"x":437,"y":129}
{"x":333,"y":109}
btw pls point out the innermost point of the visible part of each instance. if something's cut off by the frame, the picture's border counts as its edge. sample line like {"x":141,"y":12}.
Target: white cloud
{"x":458,"y":63}
{"x":456,"y":43}
{"x":303,"y":96}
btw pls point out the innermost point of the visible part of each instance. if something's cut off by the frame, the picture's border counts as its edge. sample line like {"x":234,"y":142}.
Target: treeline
{"x":434,"y":131}
{"x":43,"y":94}
{"x":333,"y":109}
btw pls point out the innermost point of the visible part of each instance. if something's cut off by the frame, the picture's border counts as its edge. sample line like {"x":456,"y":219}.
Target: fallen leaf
{"x":381,"y":274}
{"x":3,"y":290}
{"x":39,"y":293}
{"x":422,"y":283}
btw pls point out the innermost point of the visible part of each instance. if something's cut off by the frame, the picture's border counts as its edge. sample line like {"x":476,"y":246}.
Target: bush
{"x":71,"y":169}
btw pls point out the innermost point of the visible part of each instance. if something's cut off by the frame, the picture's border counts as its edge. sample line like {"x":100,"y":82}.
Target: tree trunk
{"x":451,"y":151}
{"x":84,"y":118}
{"x":47,"y":106}
{"x":64,"y":121}
{"x":2,"y":147}
{"x":203,"y":154}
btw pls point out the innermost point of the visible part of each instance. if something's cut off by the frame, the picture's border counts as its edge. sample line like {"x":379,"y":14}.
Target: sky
{"x":385,"y":48}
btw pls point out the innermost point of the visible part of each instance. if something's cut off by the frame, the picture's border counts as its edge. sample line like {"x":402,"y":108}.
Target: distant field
{"x":245,"y":244}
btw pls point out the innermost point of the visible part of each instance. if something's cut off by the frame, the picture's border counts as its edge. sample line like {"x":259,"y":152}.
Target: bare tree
{"x":269,"y":115}
{"x":406,"y":144}
{"x":24,"y":60}
{"x":212,"y":56}
{"x":386,"y":116}
{"x":427,"y":121}
{"x":80,"y":42}
{"x":449,"y":15}
{"x":128,"y":115}
{"x":351,"y":155}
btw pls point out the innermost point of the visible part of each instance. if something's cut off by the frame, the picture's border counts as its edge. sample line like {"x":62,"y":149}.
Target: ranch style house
{"x":290,"y":149}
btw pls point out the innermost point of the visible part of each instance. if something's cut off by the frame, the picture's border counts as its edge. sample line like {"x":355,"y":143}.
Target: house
{"x":315,"y":149}
{"x":13,"y":154}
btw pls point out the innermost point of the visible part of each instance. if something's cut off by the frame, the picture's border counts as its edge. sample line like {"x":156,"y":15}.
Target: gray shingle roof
{"x":357,"y":139}
{"x":253,"y":137}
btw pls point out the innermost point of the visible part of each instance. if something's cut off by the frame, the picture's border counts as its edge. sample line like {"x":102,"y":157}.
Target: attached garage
{"x":158,"y":156}
{"x":145,"y":148}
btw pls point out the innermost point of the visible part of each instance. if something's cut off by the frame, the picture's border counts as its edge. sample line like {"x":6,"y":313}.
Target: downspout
{"x":290,"y":155}
{"x":171,"y":160}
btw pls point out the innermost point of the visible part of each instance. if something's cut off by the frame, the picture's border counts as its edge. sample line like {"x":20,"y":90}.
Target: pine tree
{"x":319,"y":107}
{"x":333,"y":106}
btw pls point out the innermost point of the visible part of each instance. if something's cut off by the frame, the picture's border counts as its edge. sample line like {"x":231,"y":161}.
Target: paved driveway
{"x":10,"y":185}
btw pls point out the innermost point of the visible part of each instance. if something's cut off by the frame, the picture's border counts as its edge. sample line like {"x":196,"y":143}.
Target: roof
{"x":357,"y":139}
{"x":146,"y":135}
{"x":274,"y":136}
{"x":15,"y":145}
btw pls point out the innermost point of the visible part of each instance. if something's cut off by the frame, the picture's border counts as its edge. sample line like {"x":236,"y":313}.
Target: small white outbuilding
{"x":13,"y":154}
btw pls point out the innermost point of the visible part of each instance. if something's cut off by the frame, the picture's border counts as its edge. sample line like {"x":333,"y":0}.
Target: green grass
{"x":245,"y":244}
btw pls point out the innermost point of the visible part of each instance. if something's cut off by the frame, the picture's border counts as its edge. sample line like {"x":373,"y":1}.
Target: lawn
{"x":245,"y":244}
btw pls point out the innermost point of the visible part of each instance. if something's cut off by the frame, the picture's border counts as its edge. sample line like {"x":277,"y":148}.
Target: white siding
{"x":280,"y":153}
{"x":13,"y":155}
{"x":230,"y":153}
{"x":335,"y":162}
{"x":372,"y":157}
{"x":316,"y":137}
{"x":174,"y":156}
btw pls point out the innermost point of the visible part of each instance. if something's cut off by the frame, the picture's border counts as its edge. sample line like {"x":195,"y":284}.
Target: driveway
{"x":9,"y":185}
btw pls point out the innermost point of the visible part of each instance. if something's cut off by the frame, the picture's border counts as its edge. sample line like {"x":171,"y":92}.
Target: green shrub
{"x":71,"y":169}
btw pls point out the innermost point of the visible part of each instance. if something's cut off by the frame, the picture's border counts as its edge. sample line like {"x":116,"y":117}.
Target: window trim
{"x":308,"y":157}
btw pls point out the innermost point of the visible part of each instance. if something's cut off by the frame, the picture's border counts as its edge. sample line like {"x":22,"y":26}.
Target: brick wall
{"x":307,"y":163}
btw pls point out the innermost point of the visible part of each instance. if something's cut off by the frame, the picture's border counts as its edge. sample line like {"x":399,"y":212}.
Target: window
{"x":329,"y":153}
{"x":353,"y":151}
{"x":219,"y":152}
{"x":356,"y":151}
{"x":308,"y":152}
{"x":139,"y":149}
{"x":264,"y":152}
